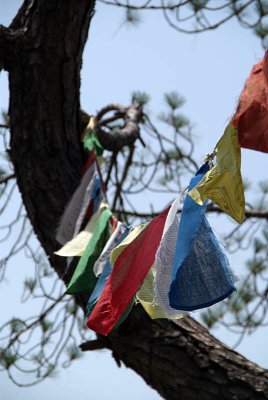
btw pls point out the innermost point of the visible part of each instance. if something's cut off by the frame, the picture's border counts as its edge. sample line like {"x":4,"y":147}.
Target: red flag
{"x":251,"y":117}
{"x":128,"y":273}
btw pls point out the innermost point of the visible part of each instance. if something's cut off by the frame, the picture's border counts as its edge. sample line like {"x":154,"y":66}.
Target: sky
{"x":209,"y":70}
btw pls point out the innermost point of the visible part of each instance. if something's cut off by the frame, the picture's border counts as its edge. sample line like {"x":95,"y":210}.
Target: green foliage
{"x":173,"y":118}
{"x":46,"y":325}
{"x":236,"y":305}
{"x":211,"y":316}
{"x":261,"y":30}
{"x":73,"y":352}
{"x":16,"y":325}
{"x":132,"y":17}
{"x":140,"y":97}
{"x":261,"y":8}
{"x":256,"y":266}
{"x":246,"y":294}
{"x":7,"y":358}
{"x":263,"y":185}
{"x":177,"y":121}
{"x":174,"y":100}
{"x":71,"y":307}
{"x":30,"y":284}
{"x":51,"y":371}
{"x":259,"y":245}
{"x":198,"y":5}
{"x":47,"y":272}
{"x":37,"y":358}
{"x":246,"y":184}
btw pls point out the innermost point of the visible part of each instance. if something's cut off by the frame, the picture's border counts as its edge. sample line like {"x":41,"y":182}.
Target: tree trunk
{"x":42,"y":51}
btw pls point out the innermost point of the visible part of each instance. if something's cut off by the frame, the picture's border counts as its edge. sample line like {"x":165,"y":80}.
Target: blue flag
{"x":201,"y":273}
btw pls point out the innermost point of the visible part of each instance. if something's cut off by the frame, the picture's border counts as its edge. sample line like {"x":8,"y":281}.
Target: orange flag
{"x":251,"y":116}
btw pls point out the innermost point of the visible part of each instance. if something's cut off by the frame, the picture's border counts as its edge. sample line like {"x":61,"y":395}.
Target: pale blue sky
{"x":209,"y":70}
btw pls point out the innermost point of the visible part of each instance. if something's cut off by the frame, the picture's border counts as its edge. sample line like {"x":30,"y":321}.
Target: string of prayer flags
{"x":251,"y":116}
{"x":223,"y":184}
{"x":164,"y":260}
{"x":201,"y":274}
{"x":127,"y":237}
{"x":129,"y":271}
{"x":170,"y":265}
{"x":83,"y":279}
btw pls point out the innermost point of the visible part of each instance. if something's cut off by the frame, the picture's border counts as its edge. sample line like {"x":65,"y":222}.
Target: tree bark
{"x":42,"y":51}
{"x":183,"y":361}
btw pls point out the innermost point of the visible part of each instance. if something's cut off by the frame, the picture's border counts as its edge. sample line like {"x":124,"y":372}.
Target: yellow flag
{"x":223,"y":183}
{"x":146,"y":297}
{"x":115,"y":253}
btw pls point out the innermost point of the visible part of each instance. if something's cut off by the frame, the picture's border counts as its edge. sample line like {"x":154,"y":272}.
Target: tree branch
{"x":211,"y":208}
{"x":92,"y":345}
{"x":183,"y":361}
{"x":7,"y":178}
{"x":115,"y":139}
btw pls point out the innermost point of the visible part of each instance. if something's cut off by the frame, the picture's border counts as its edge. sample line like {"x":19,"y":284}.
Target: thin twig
{"x":5,"y":179}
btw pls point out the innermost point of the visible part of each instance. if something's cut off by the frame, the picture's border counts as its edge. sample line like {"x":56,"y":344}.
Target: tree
{"x":42,"y":52}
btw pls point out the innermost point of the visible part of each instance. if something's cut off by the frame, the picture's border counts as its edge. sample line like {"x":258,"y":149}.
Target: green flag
{"x":83,"y":279}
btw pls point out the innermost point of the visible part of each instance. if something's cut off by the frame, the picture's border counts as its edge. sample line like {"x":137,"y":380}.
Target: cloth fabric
{"x":97,"y":194}
{"x":110,"y":245}
{"x":129,"y":271}
{"x":134,"y":232}
{"x":91,"y":142}
{"x":89,"y":194}
{"x":251,"y":116}
{"x":204,"y":277}
{"x":201,"y":274}
{"x":83,"y":279}
{"x":78,"y":244}
{"x":146,"y":296}
{"x":223,"y":183}
{"x":106,"y":271}
{"x":164,"y":260}
{"x":67,"y":226}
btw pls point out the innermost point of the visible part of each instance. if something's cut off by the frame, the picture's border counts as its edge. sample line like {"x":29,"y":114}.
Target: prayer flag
{"x":223,"y":184}
{"x":201,"y":274}
{"x":251,"y":116}
{"x":164,"y":260}
{"x":83,"y":279}
{"x":78,"y":244}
